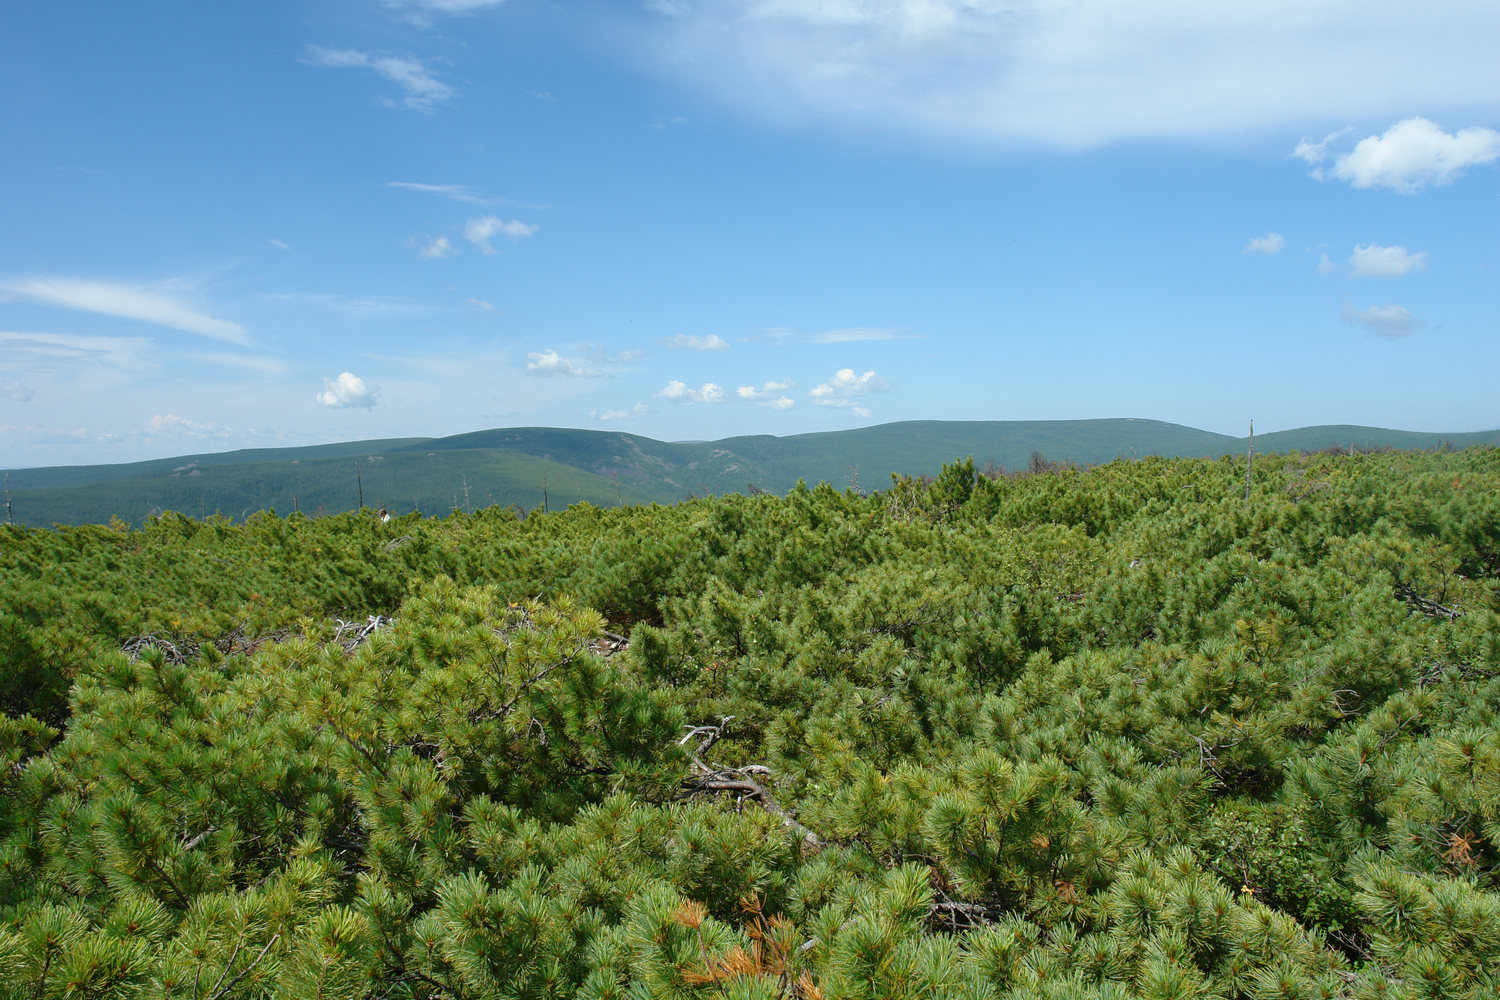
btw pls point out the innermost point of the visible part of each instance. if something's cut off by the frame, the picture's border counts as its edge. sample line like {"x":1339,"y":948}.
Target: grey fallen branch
{"x":739,"y":780}
{"x":351,"y":634}
{"x":1426,"y":605}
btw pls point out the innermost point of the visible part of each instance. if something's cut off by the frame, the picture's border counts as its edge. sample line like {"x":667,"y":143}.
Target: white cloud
{"x":51,"y":352}
{"x":1268,"y":244}
{"x":1076,"y":74}
{"x":771,"y":395}
{"x":1371,"y":261}
{"x":552,"y":363}
{"x":1391,"y":322}
{"x":635,"y":411}
{"x":479,"y":231}
{"x":436,"y":248}
{"x":709,"y":392}
{"x":126,"y":301}
{"x":280,"y":244}
{"x":452,"y":6}
{"x":348,"y":391}
{"x":455,"y":192}
{"x":856,"y":334}
{"x":1314,"y":153}
{"x":424,"y":91}
{"x":1409,"y":156}
{"x":845,"y":388}
{"x":480,"y":304}
{"x":1326,"y":266}
{"x":170,"y":424}
{"x":16,"y":391}
{"x":712,"y":342}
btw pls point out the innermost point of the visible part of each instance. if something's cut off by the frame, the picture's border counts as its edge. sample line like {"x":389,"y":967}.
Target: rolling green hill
{"x":530,"y":467}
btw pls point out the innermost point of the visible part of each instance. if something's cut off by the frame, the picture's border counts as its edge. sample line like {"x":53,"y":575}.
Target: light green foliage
{"x":1074,"y":734}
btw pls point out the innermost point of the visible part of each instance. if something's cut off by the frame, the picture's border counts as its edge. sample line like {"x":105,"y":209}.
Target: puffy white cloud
{"x":1075,"y":74}
{"x":126,"y":301}
{"x":551,"y":363}
{"x":1391,"y":322}
{"x":712,"y":342}
{"x":424,"y":91}
{"x":457,"y":192}
{"x":771,"y":395}
{"x":1326,"y":266}
{"x":679,"y":391}
{"x":348,"y":391}
{"x":845,"y":389}
{"x":1371,"y":261}
{"x":436,"y":248}
{"x":1269,"y":243}
{"x":1409,"y":156}
{"x":479,"y":231}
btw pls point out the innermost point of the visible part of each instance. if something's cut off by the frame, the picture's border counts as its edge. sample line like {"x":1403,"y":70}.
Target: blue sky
{"x":254,"y":225}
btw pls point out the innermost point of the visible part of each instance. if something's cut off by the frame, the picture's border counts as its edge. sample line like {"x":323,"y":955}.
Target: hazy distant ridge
{"x":533,"y":466}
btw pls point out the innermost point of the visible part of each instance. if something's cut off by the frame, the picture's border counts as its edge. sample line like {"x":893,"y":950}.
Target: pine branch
{"x":243,"y":972}
{"x":736,"y":779}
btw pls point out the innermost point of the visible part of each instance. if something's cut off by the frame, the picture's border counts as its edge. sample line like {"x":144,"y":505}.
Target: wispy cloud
{"x":480,"y":304}
{"x":17,"y":391}
{"x":606,"y":415}
{"x":280,"y":244}
{"x":681,"y":392}
{"x":347,"y":391}
{"x":436,"y":248}
{"x":424,"y":91}
{"x":1268,"y":244}
{"x":250,"y":362}
{"x":691,"y":342}
{"x":856,"y":334}
{"x":1409,"y":156}
{"x":1077,"y":74}
{"x":1372,"y":261}
{"x":1391,"y":322}
{"x":51,"y":352}
{"x":479,"y":231}
{"x":147,"y":305}
{"x":454,"y":192}
{"x":172,"y":425}
{"x":554,"y":364}
{"x":846,"y":388}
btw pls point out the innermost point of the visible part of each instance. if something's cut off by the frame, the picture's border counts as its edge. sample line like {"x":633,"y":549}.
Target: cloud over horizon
{"x":347,"y":391}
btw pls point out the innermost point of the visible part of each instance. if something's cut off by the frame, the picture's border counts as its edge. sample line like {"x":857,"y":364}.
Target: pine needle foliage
{"x":1073,"y":734}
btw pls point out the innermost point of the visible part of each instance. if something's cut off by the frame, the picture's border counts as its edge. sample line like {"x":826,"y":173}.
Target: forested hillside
{"x":551,"y":467}
{"x":1163,"y":728}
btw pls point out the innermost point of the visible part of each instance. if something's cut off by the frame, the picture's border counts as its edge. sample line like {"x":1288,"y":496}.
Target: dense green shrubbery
{"x":1078,"y":734}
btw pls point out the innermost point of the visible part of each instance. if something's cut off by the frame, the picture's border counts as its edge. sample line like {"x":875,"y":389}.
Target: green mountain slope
{"x":532,"y":466}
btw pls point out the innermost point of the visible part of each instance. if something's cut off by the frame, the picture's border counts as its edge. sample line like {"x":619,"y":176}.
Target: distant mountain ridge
{"x":532,"y":467}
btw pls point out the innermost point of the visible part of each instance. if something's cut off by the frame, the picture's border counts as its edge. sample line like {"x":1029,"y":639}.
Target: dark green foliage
{"x":1092,"y":734}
